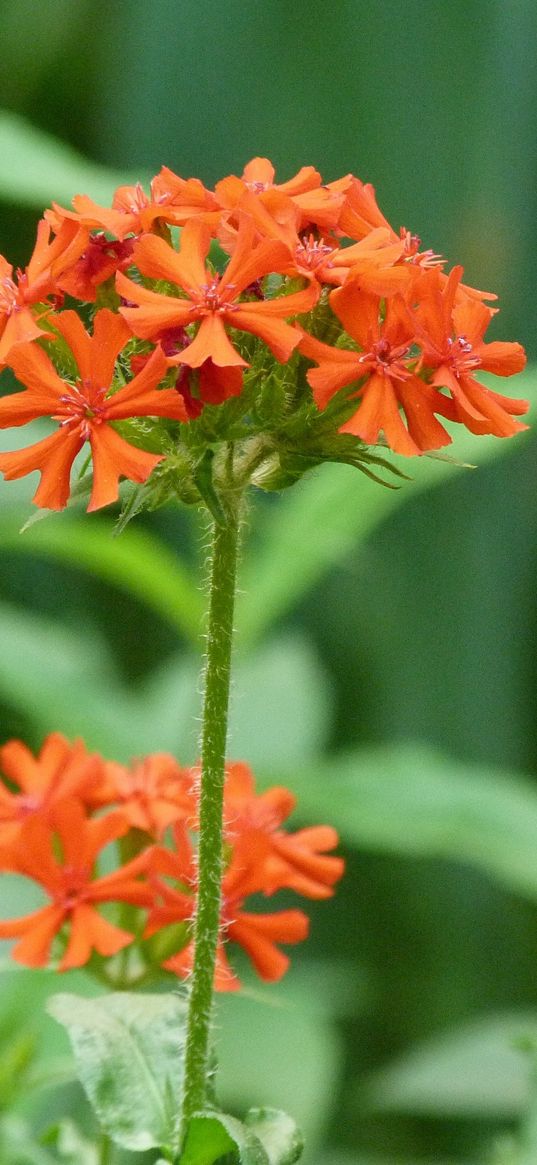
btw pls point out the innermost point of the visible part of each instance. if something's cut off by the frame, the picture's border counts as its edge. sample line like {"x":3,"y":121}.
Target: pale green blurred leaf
{"x":278,"y":1133}
{"x":64,"y":681}
{"x":18,"y":1145}
{"x":38,"y":168}
{"x":473,"y":1071}
{"x":281,"y":703}
{"x":287,"y":1054}
{"x":71,"y":1147}
{"x":127,"y":1050}
{"x":409,"y":799}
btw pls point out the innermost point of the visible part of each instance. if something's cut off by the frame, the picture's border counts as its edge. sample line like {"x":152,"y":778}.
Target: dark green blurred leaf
{"x":136,"y":561}
{"x":412,"y":800}
{"x":319,"y":521}
{"x":128,"y":1053}
{"x":38,"y":168}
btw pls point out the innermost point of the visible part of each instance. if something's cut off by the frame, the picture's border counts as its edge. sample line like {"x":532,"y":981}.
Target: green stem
{"x":106,"y":1150}
{"x":213,"y":754}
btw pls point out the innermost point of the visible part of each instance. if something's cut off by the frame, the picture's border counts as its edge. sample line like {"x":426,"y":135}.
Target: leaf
{"x":281,"y":703}
{"x":316,"y":523}
{"x":137,"y":561}
{"x":476,"y":1070}
{"x":128,"y":1053}
{"x":17,"y":1144}
{"x":255,"y":1027}
{"x":410,"y":799}
{"x":38,"y":168}
{"x":71,"y":1147}
{"x":278,"y":1133}
{"x":212,"y":1135}
{"x":64,"y":681}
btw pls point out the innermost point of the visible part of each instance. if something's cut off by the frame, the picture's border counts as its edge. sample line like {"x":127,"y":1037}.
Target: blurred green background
{"x":386,"y":662}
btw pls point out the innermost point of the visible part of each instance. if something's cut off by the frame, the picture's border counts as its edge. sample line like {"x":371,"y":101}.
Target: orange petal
{"x":53,"y":457}
{"x":113,"y":458}
{"x":212,"y":343}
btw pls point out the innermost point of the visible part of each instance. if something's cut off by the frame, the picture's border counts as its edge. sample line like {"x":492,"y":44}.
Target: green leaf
{"x":278,"y":1133}
{"x":38,"y":168}
{"x":281,"y":705}
{"x":289,"y":1015}
{"x":18,"y":1146}
{"x":137,"y":562}
{"x":327,"y":514}
{"x":128,"y":1053}
{"x":213,"y":1135}
{"x":64,"y":681}
{"x":412,"y":800}
{"x":476,"y":1070}
{"x":71,"y":1147}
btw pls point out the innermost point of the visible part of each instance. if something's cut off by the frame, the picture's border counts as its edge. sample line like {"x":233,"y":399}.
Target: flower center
{"x":312,"y":252}
{"x":10,"y":298}
{"x":209,"y":298}
{"x":28,"y":803}
{"x":387,"y":360}
{"x":139,"y":201}
{"x":257,"y":187}
{"x":81,"y":408}
{"x":412,"y":253}
{"x":75,"y":886}
{"x":462,"y":355}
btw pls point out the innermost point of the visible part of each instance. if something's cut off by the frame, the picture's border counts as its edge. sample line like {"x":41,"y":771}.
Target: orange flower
{"x":297,"y":860}
{"x":258,"y":934}
{"x":361,"y":215}
{"x":84,"y":411}
{"x":382,"y":371}
{"x":18,"y":322}
{"x":60,"y":771}
{"x":302,"y":199}
{"x":101,"y":258}
{"x":451,"y":330}
{"x":172,"y":199}
{"x":212,"y":300}
{"x":371,"y":263}
{"x":153,"y":793}
{"x":73,"y":891}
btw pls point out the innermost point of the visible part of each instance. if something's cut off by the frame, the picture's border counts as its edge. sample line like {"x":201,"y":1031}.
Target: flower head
{"x":84,"y":410}
{"x":73,"y":891}
{"x":210,"y":300}
{"x":61,"y":771}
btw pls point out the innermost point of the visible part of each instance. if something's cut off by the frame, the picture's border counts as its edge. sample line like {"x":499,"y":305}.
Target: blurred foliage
{"x":386,"y":661}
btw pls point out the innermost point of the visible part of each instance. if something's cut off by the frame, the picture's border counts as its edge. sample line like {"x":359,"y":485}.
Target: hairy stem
{"x":213,"y":753}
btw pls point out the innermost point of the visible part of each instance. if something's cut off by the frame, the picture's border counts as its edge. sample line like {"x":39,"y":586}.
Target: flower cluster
{"x":330,"y":331}
{"x":61,"y":809}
